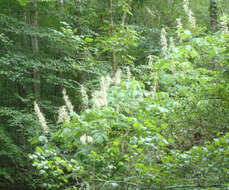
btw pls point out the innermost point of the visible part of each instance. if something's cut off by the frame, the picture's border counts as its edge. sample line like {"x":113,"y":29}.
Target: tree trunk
{"x":213,"y":23}
{"x":213,"y":14}
{"x":78,"y":15}
{"x":114,"y":63}
{"x":24,"y":44}
{"x":34,"y":46}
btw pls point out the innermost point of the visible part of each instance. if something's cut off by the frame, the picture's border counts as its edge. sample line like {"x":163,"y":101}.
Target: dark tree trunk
{"x":114,"y":62}
{"x":34,"y":46}
{"x":213,"y":14}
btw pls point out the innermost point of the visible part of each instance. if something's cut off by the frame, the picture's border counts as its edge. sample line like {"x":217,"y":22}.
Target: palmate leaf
{"x":99,"y":137}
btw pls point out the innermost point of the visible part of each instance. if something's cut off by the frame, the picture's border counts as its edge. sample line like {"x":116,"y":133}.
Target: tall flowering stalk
{"x":103,"y":91}
{"x":100,"y":97}
{"x":63,"y":114}
{"x":154,"y":74}
{"x":97,"y":100}
{"x":179,"y":29}
{"x":41,"y":118}
{"x":189,"y":13}
{"x":171,"y":43}
{"x":150,"y":62}
{"x":84,"y":96}
{"x":224,"y":24}
{"x":186,"y":6}
{"x":107,"y":82}
{"x":171,"y":47}
{"x":192,"y":19}
{"x":128,"y":73}
{"x":67,"y":101}
{"x":117,"y":79}
{"x":164,"y":41}
{"x":155,"y":85}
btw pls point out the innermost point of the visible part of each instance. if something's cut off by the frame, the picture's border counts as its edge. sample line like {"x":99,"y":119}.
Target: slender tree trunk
{"x":78,"y":15}
{"x":213,"y":23}
{"x":24,"y":44}
{"x":35,"y":49}
{"x":80,"y":75}
{"x":114,"y":62}
{"x":213,"y":14}
{"x":58,"y":87}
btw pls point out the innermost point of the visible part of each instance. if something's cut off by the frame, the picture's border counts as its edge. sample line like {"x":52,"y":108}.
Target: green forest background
{"x":114,"y":94}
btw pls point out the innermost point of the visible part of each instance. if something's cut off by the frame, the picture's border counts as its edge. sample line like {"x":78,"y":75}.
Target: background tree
{"x":213,"y":14}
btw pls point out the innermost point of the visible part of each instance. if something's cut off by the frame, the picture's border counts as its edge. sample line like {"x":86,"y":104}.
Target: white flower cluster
{"x":97,"y":100}
{"x":103,"y":87}
{"x":224,"y":24}
{"x":155,"y":85}
{"x":190,"y":14}
{"x":100,"y":97}
{"x":117,"y":79}
{"x":63,"y":114}
{"x":150,"y":63}
{"x":164,"y":41}
{"x":128,"y":73}
{"x":41,"y":118}
{"x":192,"y":19}
{"x":108,"y":82}
{"x":179,"y":28}
{"x":186,"y":6}
{"x":171,"y":43}
{"x":86,"y":139}
{"x":84,"y":96}
{"x":67,"y":101}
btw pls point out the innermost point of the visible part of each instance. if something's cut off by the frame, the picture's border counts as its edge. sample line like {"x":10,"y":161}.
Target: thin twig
{"x":194,"y":186}
{"x":165,"y":188}
{"x":128,"y":183}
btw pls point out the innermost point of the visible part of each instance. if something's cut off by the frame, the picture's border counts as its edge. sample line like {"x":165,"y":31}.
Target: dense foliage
{"x":172,"y":137}
{"x":147,"y":114}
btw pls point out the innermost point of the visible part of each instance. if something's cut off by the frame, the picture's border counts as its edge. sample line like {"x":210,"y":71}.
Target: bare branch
{"x":165,"y":188}
{"x":194,"y":186}
{"x":128,"y":183}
